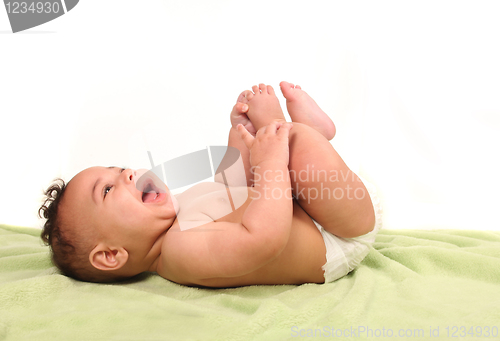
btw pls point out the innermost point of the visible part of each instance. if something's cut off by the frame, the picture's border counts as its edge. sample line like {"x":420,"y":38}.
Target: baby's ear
{"x":104,"y":257}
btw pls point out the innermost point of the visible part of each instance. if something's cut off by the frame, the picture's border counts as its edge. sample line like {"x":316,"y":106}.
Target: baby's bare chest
{"x":214,"y":202}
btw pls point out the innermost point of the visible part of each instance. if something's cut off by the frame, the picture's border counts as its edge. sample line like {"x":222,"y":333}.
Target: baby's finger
{"x":273,"y":127}
{"x":284,"y":129}
{"x":245,"y":135}
{"x":262,"y":130}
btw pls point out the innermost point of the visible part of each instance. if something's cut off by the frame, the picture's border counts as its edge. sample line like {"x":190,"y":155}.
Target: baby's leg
{"x":325,"y":187}
{"x":322,"y":183}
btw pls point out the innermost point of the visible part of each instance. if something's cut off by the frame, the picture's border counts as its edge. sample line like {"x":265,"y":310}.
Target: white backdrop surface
{"x":412,"y":87}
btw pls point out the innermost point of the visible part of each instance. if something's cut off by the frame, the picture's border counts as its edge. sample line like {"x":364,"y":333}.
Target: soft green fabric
{"x":412,"y":280}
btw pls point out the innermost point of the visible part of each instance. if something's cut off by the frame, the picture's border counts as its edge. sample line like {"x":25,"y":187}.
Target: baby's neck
{"x":153,"y":257}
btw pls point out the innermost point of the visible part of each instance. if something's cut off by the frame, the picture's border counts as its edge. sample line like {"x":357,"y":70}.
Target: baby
{"x":303,"y":217}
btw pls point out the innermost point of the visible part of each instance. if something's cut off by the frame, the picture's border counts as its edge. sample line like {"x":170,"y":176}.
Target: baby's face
{"x":122,"y":206}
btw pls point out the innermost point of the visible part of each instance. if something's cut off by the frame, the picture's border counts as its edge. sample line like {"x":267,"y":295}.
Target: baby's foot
{"x":238,"y":114}
{"x":264,"y":106}
{"x":303,"y":109}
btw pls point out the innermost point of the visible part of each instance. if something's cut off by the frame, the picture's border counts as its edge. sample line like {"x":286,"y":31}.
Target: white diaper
{"x":344,"y":254}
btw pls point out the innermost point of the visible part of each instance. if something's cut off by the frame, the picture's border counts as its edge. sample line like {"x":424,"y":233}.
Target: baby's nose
{"x":137,"y":173}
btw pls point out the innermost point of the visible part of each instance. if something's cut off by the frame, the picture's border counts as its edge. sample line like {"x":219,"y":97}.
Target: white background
{"x":413,"y":89}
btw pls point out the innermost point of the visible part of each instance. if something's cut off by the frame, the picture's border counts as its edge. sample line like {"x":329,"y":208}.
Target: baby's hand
{"x":239,"y":116}
{"x":270,"y":143}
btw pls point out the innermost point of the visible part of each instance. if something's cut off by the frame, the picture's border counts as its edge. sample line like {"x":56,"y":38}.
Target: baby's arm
{"x":234,"y":249}
{"x":269,"y":157}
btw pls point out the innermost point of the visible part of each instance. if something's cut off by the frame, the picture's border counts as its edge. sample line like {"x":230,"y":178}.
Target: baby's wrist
{"x":261,"y":164}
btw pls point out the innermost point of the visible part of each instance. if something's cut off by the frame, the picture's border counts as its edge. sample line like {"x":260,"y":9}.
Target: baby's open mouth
{"x":151,"y":193}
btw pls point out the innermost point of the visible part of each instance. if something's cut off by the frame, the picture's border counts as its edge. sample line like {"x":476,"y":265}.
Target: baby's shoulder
{"x":183,"y":251}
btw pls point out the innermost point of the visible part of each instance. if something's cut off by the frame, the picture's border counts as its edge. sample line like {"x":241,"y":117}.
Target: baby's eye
{"x":106,"y":190}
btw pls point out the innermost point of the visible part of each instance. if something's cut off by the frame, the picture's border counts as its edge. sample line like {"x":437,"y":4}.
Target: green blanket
{"x":442,"y":284}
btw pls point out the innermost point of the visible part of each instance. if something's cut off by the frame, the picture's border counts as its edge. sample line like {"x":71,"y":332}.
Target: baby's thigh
{"x":325,"y":187}
{"x":313,"y":160}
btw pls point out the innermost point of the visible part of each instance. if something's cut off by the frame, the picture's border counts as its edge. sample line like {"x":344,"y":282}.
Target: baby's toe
{"x":243,"y":97}
{"x":248,"y":96}
{"x":286,"y":85}
{"x":287,"y":89}
{"x":241,"y":107}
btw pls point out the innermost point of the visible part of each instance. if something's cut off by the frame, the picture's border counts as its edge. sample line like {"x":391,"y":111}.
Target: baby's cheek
{"x":128,"y":213}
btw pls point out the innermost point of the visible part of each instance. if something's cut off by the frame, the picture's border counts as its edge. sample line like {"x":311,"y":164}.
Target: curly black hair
{"x":69,"y":253}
